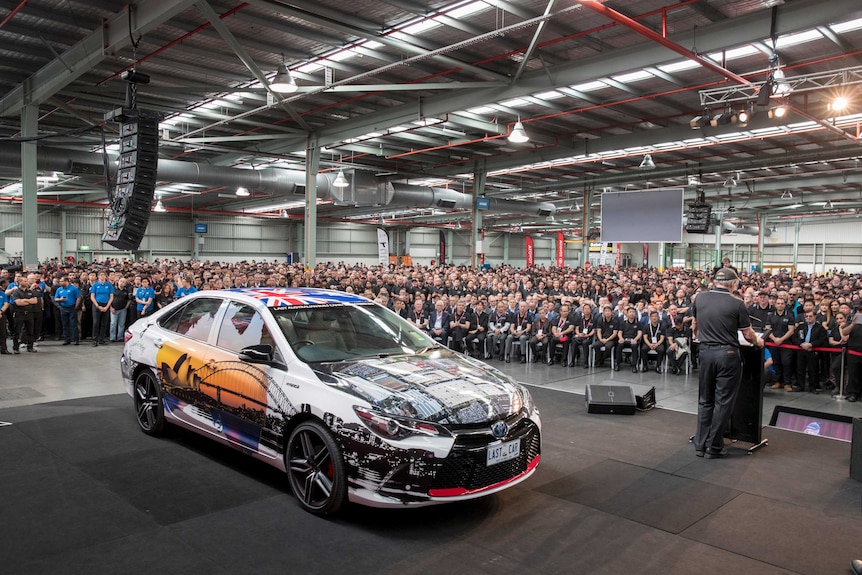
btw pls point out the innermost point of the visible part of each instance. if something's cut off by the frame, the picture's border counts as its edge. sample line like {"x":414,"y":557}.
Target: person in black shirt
{"x":26,"y":301}
{"x":780,"y":326}
{"x":630,"y":336}
{"x":653,"y":340}
{"x":678,"y":345}
{"x":808,"y":335}
{"x":607,"y":329}
{"x":759,"y":312}
{"x":718,"y":316}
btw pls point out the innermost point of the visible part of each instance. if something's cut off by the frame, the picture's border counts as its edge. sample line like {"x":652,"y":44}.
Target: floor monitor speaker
{"x":619,"y":399}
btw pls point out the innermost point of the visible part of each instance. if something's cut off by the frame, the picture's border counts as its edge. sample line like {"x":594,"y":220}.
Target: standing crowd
{"x":568,"y":316}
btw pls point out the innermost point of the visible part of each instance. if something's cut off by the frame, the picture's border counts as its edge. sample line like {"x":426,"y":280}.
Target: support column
{"x":585,"y":245}
{"x":477,"y":247}
{"x":796,"y":226}
{"x":64,"y":250}
{"x":30,"y":209}
{"x":717,"y":256}
{"x":506,"y":248}
{"x":312,"y":165}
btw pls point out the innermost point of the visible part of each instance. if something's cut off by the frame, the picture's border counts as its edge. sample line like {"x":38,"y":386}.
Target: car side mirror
{"x":257,"y":353}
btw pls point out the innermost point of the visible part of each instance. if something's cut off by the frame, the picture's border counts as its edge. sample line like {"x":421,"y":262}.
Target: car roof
{"x":288,"y":297}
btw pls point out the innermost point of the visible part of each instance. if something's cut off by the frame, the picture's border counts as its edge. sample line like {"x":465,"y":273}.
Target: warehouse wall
{"x":244,"y":238}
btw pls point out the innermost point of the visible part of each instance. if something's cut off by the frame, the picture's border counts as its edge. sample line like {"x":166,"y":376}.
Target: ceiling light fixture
{"x":786,"y":195}
{"x":283,"y":82}
{"x":699,"y":122}
{"x":159,"y":207}
{"x":242,"y":192}
{"x":743,"y":117}
{"x":283,"y":214}
{"x":829,"y":205}
{"x":839,"y":104}
{"x":777,"y":112}
{"x":340,"y":180}
{"x":518,"y":135}
{"x":730,"y":182}
{"x":647,"y":163}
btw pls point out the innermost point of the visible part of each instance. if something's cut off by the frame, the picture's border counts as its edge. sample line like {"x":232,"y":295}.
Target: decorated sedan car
{"x":350,"y":400}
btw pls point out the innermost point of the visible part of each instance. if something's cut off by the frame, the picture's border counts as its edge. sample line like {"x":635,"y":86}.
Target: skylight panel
{"x":800,"y":38}
{"x":310,"y":68}
{"x":848,"y":26}
{"x":514,"y":103}
{"x":633,"y":77}
{"x":419,"y":27}
{"x":552,"y":95}
{"x":678,"y":66}
{"x":735,"y":53}
{"x":467,"y":10}
{"x":589,"y":86}
{"x":480,"y":110}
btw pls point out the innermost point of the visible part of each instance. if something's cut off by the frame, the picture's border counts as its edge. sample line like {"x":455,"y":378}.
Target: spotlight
{"x":518,"y":135}
{"x":242,"y":192}
{"x":721,"y":119}
{"x":699,"y":122}
{"x":743,"y":117}
{"x":647,"y":163}
{"x":283,"y":82}
{"x":839,"y":104}
{"x":340,"y":180}
{"x":777,"y":112}
{"x":786,"y":195}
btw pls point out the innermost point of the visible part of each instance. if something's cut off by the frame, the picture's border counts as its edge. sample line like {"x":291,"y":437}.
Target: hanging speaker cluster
{"x":136,"y":180}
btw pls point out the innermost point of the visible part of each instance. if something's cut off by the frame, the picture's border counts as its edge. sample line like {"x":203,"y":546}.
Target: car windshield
{"x":347,"y":332}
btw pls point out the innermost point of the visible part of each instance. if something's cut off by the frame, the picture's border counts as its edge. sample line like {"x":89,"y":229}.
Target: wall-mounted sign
{"x":483,"y":204}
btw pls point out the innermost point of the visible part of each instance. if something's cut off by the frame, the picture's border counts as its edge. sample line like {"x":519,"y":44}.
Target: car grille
{"x":465,"y":467}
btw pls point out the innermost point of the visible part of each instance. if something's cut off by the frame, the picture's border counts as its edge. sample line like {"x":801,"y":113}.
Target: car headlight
{"x":395,"y":428}
{"x":527,"y":400}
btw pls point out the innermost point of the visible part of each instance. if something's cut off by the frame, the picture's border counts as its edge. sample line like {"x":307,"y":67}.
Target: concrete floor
{"x":57,"y":372}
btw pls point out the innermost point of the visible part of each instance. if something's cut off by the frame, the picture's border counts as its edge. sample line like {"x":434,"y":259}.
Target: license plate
{"x":500,"y":452}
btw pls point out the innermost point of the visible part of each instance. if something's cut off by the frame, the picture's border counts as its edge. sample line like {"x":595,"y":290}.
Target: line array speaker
{"x":136,"y":180}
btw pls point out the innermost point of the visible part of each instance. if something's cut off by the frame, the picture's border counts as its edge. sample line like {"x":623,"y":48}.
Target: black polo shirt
{"x":719,"y":317}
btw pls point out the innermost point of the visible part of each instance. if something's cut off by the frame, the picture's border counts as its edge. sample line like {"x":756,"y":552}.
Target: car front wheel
{"x":315,"y":469}
{"x":148,"y":403}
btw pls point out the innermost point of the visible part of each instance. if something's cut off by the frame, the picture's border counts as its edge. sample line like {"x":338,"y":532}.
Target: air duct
{"x":729,"y":228}
{"x":276,"y":181}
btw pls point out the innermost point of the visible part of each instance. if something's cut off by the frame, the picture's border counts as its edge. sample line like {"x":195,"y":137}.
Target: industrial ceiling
{"x":426,"y":94}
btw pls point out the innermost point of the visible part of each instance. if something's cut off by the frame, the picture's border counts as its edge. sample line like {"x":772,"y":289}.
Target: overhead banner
{"x":382,"y":246}
{"x":561,"y":250}
{"x":442,"y":248}
{"x":646,"y":256}
{"x":531,"y":253}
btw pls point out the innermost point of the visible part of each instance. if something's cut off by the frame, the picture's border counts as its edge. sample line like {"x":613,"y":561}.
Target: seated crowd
{"x":554,"y":315}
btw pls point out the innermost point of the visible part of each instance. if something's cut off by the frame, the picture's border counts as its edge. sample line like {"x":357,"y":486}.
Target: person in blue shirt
{"x":101,"y":294}
{"x":68,"y":300}
{"x":4,"y":306}
{"x":185,"y":289}
{"x":144,"y":297}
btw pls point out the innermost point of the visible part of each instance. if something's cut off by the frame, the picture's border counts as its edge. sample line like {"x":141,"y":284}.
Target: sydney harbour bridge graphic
{"x":233,"y":388}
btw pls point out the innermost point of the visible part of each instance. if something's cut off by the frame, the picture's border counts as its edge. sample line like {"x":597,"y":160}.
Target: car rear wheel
{"x":315,"y":469}
{"x":148,"y":403}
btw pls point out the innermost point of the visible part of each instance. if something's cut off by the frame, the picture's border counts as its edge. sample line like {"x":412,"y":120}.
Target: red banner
{"x":561,"y":250}
{"x":442,"y":248}
{"x":531,"y":253}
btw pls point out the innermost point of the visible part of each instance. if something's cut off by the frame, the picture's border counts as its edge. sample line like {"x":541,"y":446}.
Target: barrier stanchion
{"x":840,"y":395}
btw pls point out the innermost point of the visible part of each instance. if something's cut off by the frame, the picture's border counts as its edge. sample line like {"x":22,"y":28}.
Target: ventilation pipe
{"x":729,"y":228}
{"x":273,"y":180}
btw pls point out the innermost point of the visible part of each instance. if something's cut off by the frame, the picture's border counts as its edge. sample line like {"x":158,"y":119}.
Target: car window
{"x":242,"y":326}
{"x":195,"y":319}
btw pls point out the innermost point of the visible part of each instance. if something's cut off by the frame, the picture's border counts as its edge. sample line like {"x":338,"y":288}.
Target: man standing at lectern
{"x":718,"y":316}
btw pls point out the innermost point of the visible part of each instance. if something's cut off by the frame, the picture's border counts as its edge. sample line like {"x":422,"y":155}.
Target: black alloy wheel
{"x":148,"y":403}
{"x":315,"y":469}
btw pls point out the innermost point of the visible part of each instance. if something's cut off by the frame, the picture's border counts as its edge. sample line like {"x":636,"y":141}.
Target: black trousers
{"x":808,"y":362}
{"x":782,"y":361}
{"x":719,"y":378}
{"x":3,"y":333}
{"x":627,"y":344}
{"x":23,"y":332}
{"x":101,"y":322}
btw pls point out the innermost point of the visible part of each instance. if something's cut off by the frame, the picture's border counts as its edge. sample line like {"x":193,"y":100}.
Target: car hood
{"x":438,"y":385}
